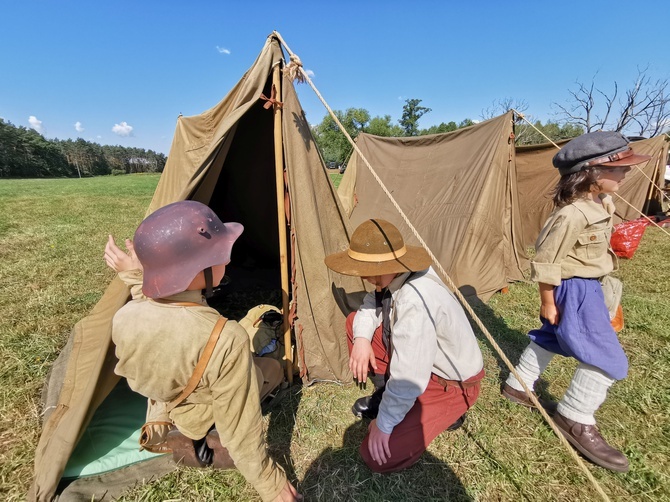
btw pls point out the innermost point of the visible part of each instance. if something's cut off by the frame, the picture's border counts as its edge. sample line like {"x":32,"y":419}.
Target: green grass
{"x":52,"y":233}
{"x":336,"y":178}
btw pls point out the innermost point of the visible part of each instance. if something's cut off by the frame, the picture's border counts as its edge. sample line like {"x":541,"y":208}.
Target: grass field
{"x":52,"y":233}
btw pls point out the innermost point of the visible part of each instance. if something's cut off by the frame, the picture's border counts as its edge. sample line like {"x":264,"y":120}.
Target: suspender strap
{"x":200,"y":367}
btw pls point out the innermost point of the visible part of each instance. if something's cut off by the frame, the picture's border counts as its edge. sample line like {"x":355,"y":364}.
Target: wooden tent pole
{"x":281,"y":221}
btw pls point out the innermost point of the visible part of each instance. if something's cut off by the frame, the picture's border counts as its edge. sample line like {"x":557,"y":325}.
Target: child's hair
{"x":573,"y":186}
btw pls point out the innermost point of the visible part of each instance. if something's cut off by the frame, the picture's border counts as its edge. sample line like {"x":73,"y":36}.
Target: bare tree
{"x":642,"y":110}
{"x":503,"y":105}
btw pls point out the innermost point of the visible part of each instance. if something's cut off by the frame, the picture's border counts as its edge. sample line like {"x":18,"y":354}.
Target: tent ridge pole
{"x":281,"y":222}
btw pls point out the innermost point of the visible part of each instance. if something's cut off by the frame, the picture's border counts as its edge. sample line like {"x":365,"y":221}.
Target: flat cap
{"x":601,"y":148}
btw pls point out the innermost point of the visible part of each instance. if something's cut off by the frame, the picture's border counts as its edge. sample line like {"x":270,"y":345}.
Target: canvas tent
{"x":459,"y":191}
{"x":225,"y":158}
{"x":478,"y":201}
{"x":537,"y":176}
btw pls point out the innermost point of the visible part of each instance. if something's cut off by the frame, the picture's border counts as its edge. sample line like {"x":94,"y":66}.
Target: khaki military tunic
{"x":158,"y":346}
{"x":575,"y":242}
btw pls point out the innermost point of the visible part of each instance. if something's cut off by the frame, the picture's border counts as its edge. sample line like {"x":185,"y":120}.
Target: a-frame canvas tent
{"x":457,"y":189}
{"x":537,"y":176}
{"x":225,"y":158}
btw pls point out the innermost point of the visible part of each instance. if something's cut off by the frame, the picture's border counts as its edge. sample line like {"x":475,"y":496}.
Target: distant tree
{"x":439,"y":129}
{"x":333,"y":144}
{"x":643,"y":109}
{"x":382,"y":126}
{"x":525,"y":134}
{"x":502,"y":106}
{"x":411,"y":113}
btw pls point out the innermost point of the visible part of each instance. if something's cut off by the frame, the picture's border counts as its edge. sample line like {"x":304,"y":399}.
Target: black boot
{"x":368,"y":406}
{"x":457,"y":424}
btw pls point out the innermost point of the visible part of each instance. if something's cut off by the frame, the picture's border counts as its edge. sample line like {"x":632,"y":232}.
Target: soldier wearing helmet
{"x":161,"y":335}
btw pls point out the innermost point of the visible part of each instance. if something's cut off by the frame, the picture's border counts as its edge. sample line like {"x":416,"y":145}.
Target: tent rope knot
{"x":272,"y":100}
{"x":293,"y":69}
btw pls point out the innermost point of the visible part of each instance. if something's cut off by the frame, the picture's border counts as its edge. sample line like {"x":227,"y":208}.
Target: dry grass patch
{"x":52,"y":233}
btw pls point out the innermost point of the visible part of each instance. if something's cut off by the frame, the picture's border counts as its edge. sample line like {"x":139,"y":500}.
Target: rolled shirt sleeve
{"x":556,"y":240}
{"x":133,"y":279}
{"x":366,"y":319}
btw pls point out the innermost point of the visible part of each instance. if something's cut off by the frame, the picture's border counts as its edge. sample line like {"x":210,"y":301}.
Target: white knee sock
{"x":532,"y":363}
{"x":587,"y":391}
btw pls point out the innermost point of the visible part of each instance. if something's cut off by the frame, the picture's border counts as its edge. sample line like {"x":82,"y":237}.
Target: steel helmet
{"x":177,"y":242}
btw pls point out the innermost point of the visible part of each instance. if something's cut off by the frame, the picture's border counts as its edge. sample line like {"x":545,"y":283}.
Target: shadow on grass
{"x":511,"y":341}
{"x":280,"y":428}
{"x":341,"y":474}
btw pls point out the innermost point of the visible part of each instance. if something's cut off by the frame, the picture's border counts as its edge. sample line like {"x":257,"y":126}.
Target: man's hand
{"x":288,"y":494}
{"x":362,"y":356}
{"x":118,"y":260}
{"x":378,"y":443}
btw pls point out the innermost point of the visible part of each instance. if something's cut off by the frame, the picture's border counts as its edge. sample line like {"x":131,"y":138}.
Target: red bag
{"x":626,"y":237}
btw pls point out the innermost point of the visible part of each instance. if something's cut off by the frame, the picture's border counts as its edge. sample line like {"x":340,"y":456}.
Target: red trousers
{"x":436,"y":409}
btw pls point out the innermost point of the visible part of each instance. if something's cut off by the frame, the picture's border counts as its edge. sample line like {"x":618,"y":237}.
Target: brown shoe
{"x":588,"y":441}
{"x":221,"y":458}
{"x":183,"y":450}
{"x":520,"y":397}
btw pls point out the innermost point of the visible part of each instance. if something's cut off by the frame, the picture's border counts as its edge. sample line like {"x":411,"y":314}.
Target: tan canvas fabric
{"x":225,"y":158}
{"x":89,"y":378}
{"x":458,"y":189}
{"x":537,"y":176}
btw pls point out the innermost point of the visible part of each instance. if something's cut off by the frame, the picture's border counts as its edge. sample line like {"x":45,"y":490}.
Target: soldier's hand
{"x":118,"y":260}
{"x":288,"y":494}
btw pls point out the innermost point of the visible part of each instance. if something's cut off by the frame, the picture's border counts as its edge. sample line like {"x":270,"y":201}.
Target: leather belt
{"x":470,"y":382}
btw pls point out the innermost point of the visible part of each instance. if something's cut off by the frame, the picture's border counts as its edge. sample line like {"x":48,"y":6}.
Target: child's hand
{"x":118,"y":260}
{"x":361,"y":357}
{"x":550,"y":313}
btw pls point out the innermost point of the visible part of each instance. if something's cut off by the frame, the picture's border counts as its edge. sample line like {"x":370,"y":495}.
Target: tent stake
{"x":281,"y":219}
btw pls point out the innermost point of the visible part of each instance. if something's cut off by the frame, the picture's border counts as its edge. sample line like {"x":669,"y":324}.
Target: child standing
{"x":573,"y":255}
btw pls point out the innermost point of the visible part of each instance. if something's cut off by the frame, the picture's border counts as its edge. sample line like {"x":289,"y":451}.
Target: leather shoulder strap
{"x":202,"y":364}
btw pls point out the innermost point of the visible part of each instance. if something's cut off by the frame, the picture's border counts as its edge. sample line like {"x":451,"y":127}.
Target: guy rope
{"x":295,"y":67}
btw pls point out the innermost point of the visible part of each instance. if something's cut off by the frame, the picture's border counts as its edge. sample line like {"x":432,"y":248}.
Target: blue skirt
{"x":584,"y":330}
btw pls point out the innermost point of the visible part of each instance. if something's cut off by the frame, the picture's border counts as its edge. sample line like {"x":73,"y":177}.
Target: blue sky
{"x":121,"y":72}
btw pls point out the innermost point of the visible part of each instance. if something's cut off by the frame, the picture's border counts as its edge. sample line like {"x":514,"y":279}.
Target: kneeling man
{"x":413,"y":335}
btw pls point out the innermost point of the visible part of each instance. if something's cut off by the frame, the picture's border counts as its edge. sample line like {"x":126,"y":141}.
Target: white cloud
{"x":310,"y":73}
{"x":123,"y":129}
{"x":35,"y":123}
{"x":78,"y":127}
{"x":222,"y":50}
{"x":99,"y":137}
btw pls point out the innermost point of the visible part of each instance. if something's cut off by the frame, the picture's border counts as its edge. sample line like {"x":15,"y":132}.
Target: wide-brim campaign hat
{"x":377,"y":248}
{"x":600,"y":148}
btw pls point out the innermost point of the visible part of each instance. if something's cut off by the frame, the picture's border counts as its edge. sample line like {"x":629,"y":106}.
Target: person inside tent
{"x":162,"y":335}
{"x":414,"y":337}
{"x":572,"y":263}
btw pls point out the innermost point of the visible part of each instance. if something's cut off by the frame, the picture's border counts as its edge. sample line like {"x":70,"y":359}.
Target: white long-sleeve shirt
{"x":429,"y":334}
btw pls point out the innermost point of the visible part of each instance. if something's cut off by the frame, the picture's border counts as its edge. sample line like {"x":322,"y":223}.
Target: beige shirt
{"x":575,"y":242}
{"x":158,"y":346}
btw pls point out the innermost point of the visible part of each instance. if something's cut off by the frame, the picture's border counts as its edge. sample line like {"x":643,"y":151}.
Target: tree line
{"x":336,"y":149}
{"x":642,"y":110}
{"x":25,"y":153}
